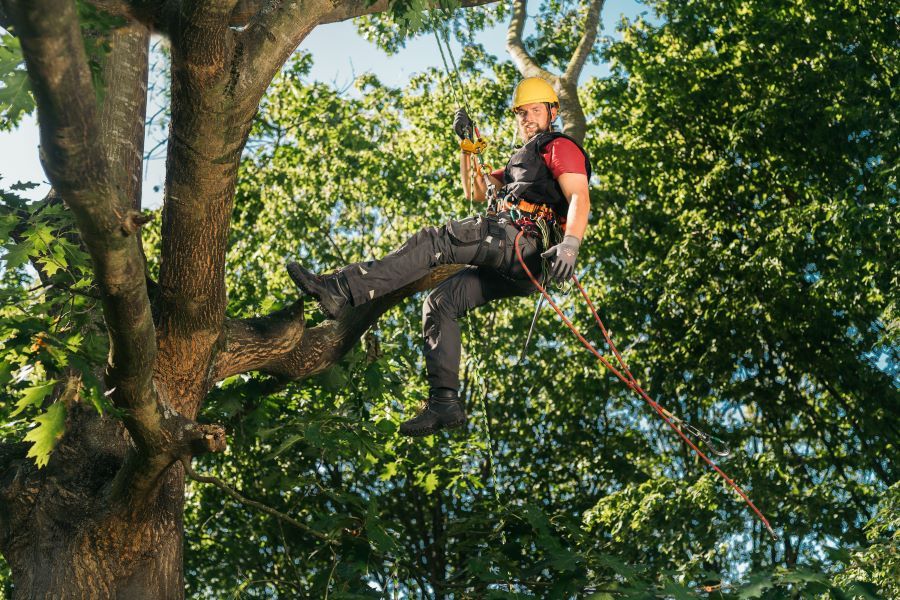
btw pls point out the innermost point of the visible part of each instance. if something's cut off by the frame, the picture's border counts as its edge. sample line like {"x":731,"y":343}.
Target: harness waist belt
{"x":540,"y":211}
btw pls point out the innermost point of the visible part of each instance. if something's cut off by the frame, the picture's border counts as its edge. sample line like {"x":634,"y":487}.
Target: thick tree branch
{"x":179,"y":437}
{"x":149,"y":13}
{"x":271,"y":37}
{"x":243,"y":11}
{"x":202,"y":43}
{"x":350,"y":10}
{"x":277,"y":29}
{"x":524,"y":62}
{"x":210,"y":123}
{"x":116,"y":8}
{"x":253,"y":344}
{"x":279,"y":345}
{"x":586,"y":44}
{"x":79,"y":170}
{"x":123,"y":112}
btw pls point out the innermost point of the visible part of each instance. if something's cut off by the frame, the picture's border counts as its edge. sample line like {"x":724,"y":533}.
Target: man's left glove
{"x":562,"y":258}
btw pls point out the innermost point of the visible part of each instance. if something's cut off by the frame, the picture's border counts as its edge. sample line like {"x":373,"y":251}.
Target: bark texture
{"x":64,"y":539}
{"x":104,"y":518}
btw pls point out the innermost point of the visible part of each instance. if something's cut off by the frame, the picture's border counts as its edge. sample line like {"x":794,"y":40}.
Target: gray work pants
{"x":494,"y":272}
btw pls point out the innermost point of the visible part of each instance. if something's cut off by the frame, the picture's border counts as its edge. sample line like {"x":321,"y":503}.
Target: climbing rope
{"x":454,"y":75}
{"x":475,"y":145}
{"x":631,"y":382}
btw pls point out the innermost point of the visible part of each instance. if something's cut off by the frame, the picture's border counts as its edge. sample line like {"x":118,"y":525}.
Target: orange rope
{"x":630,"y":381}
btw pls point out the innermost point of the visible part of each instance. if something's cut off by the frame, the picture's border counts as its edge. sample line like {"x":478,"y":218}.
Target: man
{"x":546,"y":178}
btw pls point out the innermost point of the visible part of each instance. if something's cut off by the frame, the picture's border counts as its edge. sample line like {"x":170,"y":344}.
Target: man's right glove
{"x":562,"y":258}
{"x":462,"y":124}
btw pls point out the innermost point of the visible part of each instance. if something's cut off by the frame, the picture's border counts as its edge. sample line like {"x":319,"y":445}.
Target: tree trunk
{"x":63,"y":540}
{"x":104,"y":519}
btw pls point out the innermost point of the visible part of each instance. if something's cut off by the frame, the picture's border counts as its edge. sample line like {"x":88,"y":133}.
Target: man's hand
{"x":562,"y":258}
{"x":462,"y":124}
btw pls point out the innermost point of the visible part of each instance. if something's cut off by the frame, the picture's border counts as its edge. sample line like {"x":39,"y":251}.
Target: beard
{"x":532,"y":129}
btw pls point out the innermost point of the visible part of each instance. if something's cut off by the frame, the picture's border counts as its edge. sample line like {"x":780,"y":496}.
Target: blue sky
{"x":339,"y":55}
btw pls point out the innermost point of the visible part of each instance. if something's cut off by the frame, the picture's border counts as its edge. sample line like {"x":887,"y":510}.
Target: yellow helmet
{"x":533,"y":89}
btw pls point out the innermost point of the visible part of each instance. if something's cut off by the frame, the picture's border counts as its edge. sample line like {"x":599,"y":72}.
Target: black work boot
{"x":330,"y":291}
{"x":442,"y":410}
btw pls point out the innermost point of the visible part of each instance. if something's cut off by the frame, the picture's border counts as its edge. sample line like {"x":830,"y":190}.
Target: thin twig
{"x":192,"y":474}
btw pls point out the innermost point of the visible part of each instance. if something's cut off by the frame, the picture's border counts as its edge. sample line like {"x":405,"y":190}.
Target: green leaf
{"x":15,"y":99}
{"x":430,"y":482}
{"x":863,"y":589}
{"x":50,"y":428}
{"x":385,"y":426}
{"x":390,"y":470}
{"x":289,"y":442}
{"x":17,"y":254}
{"x":679,"y":592}
{"x":5,"y":372}
{"x":7,"y":223}
{"x":15,"y":90}
{"x":757,"y":586}
{"x":33,"y":396}
{"x":379,"y":538}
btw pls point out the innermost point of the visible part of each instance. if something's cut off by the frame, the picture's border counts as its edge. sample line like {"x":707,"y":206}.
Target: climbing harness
{"x":628,"y":379}
{"x":533,"y":214}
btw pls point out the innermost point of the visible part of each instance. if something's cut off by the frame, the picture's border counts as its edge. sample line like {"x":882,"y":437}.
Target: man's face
{"x":534,"y":118}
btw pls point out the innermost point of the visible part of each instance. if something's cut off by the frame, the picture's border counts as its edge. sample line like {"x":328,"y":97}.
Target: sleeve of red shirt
{"x":563,"y":156}
{"x":498,"y":175}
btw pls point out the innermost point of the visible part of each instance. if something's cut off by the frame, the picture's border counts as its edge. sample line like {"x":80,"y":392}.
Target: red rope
{"x":630,"y":381}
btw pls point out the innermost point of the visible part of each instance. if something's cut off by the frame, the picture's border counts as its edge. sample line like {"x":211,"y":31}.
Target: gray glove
{"x":462,"y":124}
{"x":562,"y":258}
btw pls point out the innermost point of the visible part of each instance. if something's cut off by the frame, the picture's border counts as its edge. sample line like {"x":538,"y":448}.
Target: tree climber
{"x":546,"y":179}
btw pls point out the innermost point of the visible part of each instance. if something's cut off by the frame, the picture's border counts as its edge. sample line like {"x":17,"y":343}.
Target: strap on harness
{"x":490,"y":249}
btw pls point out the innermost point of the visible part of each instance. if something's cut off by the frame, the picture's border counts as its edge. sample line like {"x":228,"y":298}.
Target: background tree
{"x":583,"y":501}
{"x":741,"y":247}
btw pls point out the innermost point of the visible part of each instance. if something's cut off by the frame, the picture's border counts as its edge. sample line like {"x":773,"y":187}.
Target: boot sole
{"x":432,"y":430}
{"x":299,"y":281}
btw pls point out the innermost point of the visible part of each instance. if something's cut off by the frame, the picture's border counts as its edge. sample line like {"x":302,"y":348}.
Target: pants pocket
{"x":493,"y":248}
{"x":466,"y":232}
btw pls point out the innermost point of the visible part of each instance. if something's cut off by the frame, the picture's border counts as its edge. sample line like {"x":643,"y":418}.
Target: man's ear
{"x":554,"y":110}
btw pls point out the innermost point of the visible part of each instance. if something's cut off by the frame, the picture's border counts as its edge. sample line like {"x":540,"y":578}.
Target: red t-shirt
{"x":561,"y":156}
